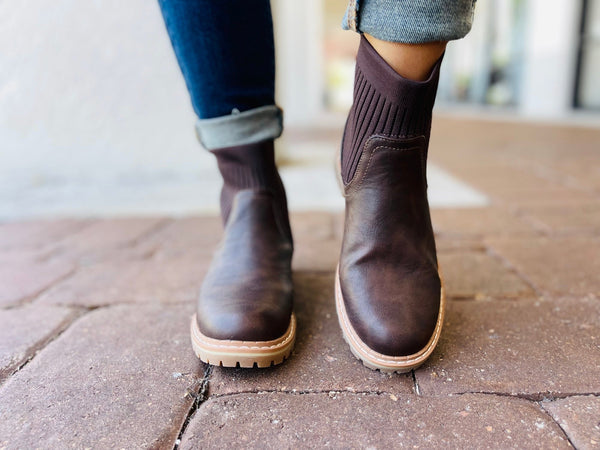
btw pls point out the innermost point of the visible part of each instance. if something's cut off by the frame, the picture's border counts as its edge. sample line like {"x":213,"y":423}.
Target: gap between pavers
{"x":182,"y":237}
{"x":22,"y":281}
{"x":340,"y":420}
{"x":109,"y":240}
{"x":321,"y":360}
{"x":536,"y":348}
{"x":558,"y":265}
{"x":478,"y":222}
{"x":108,"y":234}
{"x":38,"y":234}
{"x":25,"y":330}
{"x":579,"y":417}
{"x":478,"y":275}
{"x":119,"y":377}
{"x":565,"y":219}
{"x":174,"y":280}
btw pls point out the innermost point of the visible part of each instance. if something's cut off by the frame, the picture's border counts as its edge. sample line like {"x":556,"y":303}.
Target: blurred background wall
{"x":526,"y":58}
{"x":94,"y":115}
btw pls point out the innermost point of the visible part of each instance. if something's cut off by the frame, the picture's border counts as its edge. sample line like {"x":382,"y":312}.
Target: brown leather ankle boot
{"x":389,"y":297}
{"x":244,"y":312}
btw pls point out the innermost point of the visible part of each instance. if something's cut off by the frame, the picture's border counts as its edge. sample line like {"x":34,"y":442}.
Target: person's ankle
{"x":411,"y":61}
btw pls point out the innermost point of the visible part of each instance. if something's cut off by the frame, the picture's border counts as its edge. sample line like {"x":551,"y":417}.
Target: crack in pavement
{"x":77,"y":314}
{"x":415,"y":383}
{"x":200,"y":395}
{"x":553,"y":420}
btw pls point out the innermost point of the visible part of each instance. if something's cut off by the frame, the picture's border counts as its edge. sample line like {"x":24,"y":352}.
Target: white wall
{"x":298,"y":34}
{"x":89,"y":87}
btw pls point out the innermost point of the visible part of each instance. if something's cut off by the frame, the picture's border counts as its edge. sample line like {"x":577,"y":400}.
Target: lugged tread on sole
{"x":240,"y":354}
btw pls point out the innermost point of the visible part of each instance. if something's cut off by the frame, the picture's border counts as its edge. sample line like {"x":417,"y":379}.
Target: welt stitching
{"x":371,"y":158}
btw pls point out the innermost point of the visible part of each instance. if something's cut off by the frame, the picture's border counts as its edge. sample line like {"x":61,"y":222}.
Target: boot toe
{"x":258,"y":326}
{"x":398,"y":338}
{"x":398,"y":320}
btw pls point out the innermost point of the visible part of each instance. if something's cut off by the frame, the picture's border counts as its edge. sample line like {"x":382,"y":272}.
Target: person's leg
{"x":226,"y":53}
{"x":388,"y":291}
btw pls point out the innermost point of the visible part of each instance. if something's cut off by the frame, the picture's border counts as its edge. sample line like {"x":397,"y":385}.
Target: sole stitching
{"x":371,"y":355}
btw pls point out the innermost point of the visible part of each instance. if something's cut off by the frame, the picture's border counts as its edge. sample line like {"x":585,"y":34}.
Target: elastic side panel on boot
{"x":385,"y":104}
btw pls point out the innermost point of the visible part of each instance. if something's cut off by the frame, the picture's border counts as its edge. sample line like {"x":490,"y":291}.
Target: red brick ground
{"x":94,"y":349}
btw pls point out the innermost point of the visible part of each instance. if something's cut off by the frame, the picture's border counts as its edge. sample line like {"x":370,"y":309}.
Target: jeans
{"x":410,"y":21}
{"x":226,"y":53}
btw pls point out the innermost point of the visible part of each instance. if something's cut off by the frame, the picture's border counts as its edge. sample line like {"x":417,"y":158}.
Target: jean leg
{"x":410,"y":21}
{"x":225,"y":49}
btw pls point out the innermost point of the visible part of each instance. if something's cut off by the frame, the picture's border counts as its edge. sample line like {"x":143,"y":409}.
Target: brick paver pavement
{"x":94,"y":314}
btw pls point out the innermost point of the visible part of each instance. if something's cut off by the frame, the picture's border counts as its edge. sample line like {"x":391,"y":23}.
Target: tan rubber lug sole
{"x":230,"y":353}
{"x":378,"y":361}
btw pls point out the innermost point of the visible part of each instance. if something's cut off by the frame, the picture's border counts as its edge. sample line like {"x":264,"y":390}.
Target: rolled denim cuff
{"x":239,"y":128}
{"x":410,"y":21}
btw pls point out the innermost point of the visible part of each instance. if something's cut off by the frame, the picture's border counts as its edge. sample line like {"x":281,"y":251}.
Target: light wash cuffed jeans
{"x":410,"y":21}
{"x":226,"y":53}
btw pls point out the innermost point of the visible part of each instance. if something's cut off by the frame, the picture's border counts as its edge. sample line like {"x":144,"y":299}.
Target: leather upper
{"x":388,"y":266}
{"x":247,"y":292}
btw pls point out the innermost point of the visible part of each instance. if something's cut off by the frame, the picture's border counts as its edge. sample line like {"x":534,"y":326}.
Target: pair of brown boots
{"x":388,"y":292}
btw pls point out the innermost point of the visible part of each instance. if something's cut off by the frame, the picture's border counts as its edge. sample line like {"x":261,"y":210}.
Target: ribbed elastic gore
{"x":398,"y":108}
{"x":251,"y":166}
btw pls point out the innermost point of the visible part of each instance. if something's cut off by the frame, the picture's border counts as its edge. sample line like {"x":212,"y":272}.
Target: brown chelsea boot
{"x":244,"y":314}
{"x":389,"y":297}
